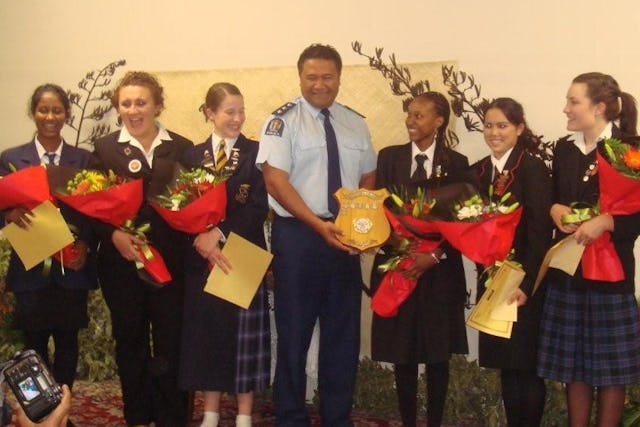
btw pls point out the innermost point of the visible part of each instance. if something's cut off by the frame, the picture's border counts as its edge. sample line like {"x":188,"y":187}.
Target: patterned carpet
{"x":100,"y":404}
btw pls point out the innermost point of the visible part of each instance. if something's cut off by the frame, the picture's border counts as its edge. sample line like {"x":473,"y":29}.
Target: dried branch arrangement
{"x":92,"y":102}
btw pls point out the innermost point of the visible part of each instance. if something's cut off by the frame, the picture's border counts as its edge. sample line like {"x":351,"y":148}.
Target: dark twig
{"x":94,"y":90}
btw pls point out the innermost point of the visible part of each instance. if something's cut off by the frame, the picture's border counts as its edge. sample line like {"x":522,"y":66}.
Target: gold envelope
{"x":249,"y":264}
{"x":490,"y":312}
{"x":564,"y":255}
{"x":47,"y":234}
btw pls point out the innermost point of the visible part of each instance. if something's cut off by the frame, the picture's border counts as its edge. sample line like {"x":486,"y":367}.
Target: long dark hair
{"x":514,"y":112}
{"x":619,"y":105}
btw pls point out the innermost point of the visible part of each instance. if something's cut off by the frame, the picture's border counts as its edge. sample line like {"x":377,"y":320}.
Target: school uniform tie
{"x":496,"y":174}
{"x":221,"y":156}
{"x":420,"y":173}
{"x":51,"y":158}
{"x":334,"y":180}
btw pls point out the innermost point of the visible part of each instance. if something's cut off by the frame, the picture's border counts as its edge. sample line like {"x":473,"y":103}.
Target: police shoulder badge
{"x":361,"y":218}
{"x":276,"y":125}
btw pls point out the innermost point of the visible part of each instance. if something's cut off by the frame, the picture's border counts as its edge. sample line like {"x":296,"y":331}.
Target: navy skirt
{"x":589,"y":337}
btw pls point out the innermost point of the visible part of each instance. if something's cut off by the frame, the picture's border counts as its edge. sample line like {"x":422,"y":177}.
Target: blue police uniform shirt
{"x":293,"y":140}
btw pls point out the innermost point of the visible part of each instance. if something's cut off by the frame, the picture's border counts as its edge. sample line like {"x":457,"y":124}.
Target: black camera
{"x":33,"y":385}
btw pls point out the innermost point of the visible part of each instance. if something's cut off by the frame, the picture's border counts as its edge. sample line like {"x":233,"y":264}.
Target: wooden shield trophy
{"x":361,"y":218}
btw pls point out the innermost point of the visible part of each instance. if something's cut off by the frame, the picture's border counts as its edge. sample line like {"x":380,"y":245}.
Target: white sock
{"x":210,"y":419}
{"x":243,"y":420}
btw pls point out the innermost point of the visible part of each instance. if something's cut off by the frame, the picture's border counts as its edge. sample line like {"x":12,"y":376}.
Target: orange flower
{"x":632,"y":158}
{"x":81,"y":188}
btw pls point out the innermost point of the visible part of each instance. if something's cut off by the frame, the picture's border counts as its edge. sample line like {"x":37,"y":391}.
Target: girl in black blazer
{"x":226,"y":348}
{"x":429,"y":326}
{"x":144,"y":149}
{"x":512,"y":167}
{"x":590,"y":335}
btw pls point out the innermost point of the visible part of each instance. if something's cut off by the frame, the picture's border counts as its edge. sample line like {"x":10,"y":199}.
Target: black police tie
{"x":421,"y":173}
{"x":51,"y":157}
{"x":333,"y":163}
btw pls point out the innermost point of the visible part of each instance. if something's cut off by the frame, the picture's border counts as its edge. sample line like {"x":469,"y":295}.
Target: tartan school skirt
{"x":253,"y":365}
{"x":589,"y":337}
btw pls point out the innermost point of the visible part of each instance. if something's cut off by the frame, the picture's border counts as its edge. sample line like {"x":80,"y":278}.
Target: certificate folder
{"x":249,"y":264}
{"x":493,"y":315}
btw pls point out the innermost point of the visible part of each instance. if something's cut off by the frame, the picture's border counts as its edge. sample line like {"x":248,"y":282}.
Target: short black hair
{"x":320,"y":51}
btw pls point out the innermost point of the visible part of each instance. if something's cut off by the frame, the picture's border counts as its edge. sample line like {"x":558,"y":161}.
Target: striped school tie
{"x":221,"y":156}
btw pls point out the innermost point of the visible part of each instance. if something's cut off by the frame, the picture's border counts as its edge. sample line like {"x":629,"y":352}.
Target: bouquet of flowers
{"x":111,"y":199}
{"x":619,"y":182}
{"x":484,"y":229}
{"x":196,"y":201}
{"x":409,"y":217}
{"x":25,"y":188}
{"x":105,"y":197}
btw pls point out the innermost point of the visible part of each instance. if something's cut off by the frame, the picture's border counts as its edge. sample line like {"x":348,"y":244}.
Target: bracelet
{"x":435,"y":257}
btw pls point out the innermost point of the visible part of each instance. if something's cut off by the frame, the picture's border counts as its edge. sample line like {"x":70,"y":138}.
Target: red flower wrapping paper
{"x":619,"y":195}
{"x":395,"y":287}
{"x":484,"y":242}
{"x":25,"y":188}
{"x":114,"y":205}
{"x":199,"y":215}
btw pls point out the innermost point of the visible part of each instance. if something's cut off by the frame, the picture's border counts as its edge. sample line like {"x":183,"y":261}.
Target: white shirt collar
{"x":42,"y":152}
{"x":162,"y":135}
{"x":315,"y":111}
{"x":430,"y":152}
{"x":502,"y":161}
{"x":578,"y":138}
{"x":229,"y":143}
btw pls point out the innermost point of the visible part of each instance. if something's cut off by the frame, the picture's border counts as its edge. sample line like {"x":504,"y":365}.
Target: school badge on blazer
{"x":361,"y":218}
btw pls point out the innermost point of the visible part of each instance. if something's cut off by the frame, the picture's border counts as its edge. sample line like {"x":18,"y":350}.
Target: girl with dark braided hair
{"x":429,"y":326}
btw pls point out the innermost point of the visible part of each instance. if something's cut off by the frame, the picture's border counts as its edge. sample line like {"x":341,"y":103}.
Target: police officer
{"x":309,"y":148}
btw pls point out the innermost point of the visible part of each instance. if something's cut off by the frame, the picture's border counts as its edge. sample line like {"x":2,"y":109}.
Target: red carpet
{"x":100,"y":404}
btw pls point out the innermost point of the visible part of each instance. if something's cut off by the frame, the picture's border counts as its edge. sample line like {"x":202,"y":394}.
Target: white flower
{"x":175,"y":204}
{"x":467,"y":212}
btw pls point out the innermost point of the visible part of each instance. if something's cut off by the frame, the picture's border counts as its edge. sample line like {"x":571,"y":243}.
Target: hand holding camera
{"x":36,"y":391}
{"x":57,"y":418}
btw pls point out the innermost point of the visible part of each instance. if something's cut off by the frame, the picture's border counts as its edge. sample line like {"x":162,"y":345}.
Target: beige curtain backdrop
{"x":265,"y":89}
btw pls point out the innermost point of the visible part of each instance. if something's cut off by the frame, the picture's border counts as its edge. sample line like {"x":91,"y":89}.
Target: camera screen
{"x":29,"y":389}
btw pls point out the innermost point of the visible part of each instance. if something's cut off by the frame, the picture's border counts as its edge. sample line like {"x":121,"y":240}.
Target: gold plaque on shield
{"x":361,"y":218}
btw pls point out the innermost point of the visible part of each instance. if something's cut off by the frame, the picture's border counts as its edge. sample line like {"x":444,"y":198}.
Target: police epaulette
{"x":283,"y":108}
{"x":351,"y":109}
